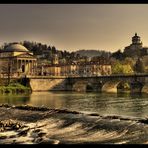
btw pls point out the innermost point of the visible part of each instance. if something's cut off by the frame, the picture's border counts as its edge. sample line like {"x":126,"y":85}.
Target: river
{"x":104,"y":104}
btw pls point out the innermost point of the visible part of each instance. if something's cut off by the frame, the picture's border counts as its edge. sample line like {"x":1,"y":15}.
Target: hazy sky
{"x":74,"y":26}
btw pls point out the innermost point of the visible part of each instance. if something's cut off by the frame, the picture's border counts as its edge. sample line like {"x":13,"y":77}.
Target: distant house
{"x":98,"y":67}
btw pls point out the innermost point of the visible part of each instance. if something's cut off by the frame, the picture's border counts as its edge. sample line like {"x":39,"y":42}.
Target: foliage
{"x":129,"y":61}
{"x":93,"y":53}
{"x":118,"y":68}
{"x":126,"y":69}
{"x":118,"y":55}
{"x":124,"y":86}
{"x":7,"y":69}
{"x":14,"y":88}
{"x":139,"y":66}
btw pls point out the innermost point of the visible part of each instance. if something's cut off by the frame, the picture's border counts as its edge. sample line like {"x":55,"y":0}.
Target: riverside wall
{"x":48,"y":84}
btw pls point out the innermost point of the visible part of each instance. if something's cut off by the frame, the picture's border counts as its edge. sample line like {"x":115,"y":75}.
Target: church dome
{"x":16,"y":48}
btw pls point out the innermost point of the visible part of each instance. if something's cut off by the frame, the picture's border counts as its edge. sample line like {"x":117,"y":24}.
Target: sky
{"x":71,"y":27}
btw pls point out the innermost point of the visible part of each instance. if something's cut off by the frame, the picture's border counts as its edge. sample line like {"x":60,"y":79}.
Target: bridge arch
{"x":79,"y":86}
{"x":137,"y":87}
{"x":145,"y":89}
{"x":123,"y":86}
{"x":116,"y":86}
{"x":87,"y":86}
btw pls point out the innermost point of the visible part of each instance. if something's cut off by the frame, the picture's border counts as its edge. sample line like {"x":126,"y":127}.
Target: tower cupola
{"x":136,"y":39}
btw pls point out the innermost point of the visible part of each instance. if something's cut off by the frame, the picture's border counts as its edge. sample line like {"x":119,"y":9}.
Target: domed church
{"x":17,"y":60}
{"x":136,"y":49}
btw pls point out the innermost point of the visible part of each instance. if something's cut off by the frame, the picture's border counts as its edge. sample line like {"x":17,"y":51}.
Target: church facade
{"x":17,"y":61}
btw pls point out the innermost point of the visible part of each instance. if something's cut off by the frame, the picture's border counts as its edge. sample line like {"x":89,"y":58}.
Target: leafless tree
{"x":7,"y":69}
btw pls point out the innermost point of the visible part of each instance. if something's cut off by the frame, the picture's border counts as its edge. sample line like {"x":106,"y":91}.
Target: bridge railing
{"x":101,"y":76}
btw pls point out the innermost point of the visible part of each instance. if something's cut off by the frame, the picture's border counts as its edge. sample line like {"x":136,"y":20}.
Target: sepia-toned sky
{"x":74,"y":26}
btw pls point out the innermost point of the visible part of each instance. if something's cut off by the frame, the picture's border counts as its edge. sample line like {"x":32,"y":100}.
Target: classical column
{"x":25,"y":65}
{"x":16,"y":65}
{"x":20,"y":63}
{"x":30,"y":67}
{"x":33,"y":67}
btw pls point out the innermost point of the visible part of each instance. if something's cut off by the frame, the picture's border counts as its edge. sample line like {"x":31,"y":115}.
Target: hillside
{"x":92,"y":52}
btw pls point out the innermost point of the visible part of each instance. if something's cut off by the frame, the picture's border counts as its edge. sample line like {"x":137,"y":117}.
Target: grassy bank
{"x":15,"y":88}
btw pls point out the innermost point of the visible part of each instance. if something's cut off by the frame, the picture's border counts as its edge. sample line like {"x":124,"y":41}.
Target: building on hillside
{"x":55,"y":59}
{"x":135,"y":49}
{"x":17,"y":61}
{"x":93,"y":68}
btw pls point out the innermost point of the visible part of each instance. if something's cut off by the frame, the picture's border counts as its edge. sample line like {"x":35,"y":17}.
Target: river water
{"x":87,"y":128}
{"x":104,"y":104}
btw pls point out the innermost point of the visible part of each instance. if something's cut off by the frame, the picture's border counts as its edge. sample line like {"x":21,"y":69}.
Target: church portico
{"x":26,"y":66}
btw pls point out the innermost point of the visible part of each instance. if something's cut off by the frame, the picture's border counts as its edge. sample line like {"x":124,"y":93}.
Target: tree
{"x":118,"y":55}
{"x":139,"y":66}
{"x":126,"y":69}
{"x":129,"y":61}
{"x":7,"y":69}
{"x":117,"y":68}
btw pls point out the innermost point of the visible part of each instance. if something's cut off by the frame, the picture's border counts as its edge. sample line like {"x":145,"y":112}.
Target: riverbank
{"x":33,"y":125}
{"x":15,"y":88}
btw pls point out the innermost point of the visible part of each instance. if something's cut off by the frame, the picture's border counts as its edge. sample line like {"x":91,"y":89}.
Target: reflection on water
{"x":14,"y":99}
{"x":120,"y":104}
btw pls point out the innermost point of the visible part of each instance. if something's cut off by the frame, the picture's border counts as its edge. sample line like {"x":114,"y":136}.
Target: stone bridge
{"x":112,"y":83}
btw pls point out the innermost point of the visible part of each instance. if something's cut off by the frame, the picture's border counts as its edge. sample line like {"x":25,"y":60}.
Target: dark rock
{"x":41,"y":134}
{"x":49,"y":141}
{"x":3,"y":137}
{"x":37,"y":130}
{"x":23,"y":133}
{"x":12,"y":136}
{"x":145,"y":121}
{"x":94,"y":114}
{"x":112,"y":117}
{"x":5,"y":105}
{"x":27,"y":107}
{"x":66,"y":111}
{"x":38,"y":140}
{"x":2,"y":129}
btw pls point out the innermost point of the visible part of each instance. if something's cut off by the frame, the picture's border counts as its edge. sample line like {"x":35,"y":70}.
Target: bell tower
{"x":55,"y":59}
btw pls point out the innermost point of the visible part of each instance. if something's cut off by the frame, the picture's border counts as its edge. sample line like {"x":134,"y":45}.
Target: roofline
{"x":1,"y":51}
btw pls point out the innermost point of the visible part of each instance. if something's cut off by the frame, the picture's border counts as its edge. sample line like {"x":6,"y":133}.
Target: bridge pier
{"x":136,"y":87}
